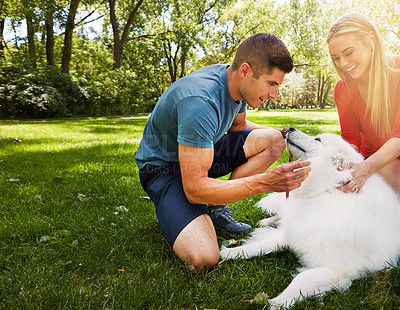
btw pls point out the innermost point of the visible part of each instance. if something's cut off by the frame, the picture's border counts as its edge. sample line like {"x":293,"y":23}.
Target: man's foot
{"x":223,"y":219}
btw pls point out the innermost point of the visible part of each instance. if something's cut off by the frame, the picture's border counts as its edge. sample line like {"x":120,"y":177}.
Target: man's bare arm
{"x":199,"y":188}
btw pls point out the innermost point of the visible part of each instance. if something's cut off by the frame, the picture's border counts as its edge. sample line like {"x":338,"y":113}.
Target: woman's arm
{"x":362,"y":171}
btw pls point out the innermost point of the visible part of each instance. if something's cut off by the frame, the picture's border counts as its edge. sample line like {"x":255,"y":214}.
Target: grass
{"x":77,"y":232}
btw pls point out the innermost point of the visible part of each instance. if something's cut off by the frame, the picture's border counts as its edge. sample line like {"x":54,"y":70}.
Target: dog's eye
{"x":317,"y":139}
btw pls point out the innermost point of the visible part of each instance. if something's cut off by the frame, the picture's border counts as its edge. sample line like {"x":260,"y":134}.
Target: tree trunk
{"x":49,"y":39}
{"x":170,"y":60}
{"x":117,"y":40}
{"x":31,"y":39}
{"x":320,"y":91}
{"x":183,"y":64}
{"x":328,"y":88}
{"x":2,"y":23}
{"x":69,"y":30}
{"x":119,"y":43}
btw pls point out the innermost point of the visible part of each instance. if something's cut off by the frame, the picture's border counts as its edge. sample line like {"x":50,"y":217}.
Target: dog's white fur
{"x":337,"y":237}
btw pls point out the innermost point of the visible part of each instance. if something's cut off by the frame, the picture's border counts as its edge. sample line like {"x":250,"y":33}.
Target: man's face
{"x":256,"y":91}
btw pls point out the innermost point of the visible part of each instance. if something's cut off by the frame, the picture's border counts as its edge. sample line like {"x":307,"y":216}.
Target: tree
{"x":324,"y":86}
{"x":48,"y":8}
{"x":233,"y":24}
{"x":184,"y":28}
{"x":2,"y":23}
{"x":385,"y":14}
{"x":119,"y":42}
{"x":69,"y":29}
{"x":151,"y":44}
{"x":308,"y":23}
{"x":166,"y":48}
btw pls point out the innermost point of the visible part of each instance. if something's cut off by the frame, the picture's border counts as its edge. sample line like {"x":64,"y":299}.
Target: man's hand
{"x":288,"y":176}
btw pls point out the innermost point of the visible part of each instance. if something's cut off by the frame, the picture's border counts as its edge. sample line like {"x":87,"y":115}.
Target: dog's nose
{"x":292,"y":129}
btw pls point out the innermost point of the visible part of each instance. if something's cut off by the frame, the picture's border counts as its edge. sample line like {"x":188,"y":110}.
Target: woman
{"x":367,"y":98}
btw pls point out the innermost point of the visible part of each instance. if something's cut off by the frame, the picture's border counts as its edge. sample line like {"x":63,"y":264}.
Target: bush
{"x":116,"y":92}
{"x":110,"y":93}
{"x":45,"y":92}
{"x":39,"y":93}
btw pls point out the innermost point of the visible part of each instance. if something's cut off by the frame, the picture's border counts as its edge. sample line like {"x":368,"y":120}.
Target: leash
{"x":290,"y":159}
{"x":284,"y":131}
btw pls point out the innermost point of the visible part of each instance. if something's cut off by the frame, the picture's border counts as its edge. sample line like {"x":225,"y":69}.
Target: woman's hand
{"x":360,"y":173}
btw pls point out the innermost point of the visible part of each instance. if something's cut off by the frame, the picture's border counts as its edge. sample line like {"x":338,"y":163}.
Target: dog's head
{"x":326,"y":146}
{"x":326,"y":152}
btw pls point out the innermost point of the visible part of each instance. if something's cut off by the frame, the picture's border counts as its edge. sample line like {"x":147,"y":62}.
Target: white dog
{"x":337,"y":237}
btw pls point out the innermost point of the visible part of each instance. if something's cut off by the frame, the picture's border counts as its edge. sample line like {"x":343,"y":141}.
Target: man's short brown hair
{"x":263,"y":52}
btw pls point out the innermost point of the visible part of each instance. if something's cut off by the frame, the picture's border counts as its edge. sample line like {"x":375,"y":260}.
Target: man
{"x":198,"y":131}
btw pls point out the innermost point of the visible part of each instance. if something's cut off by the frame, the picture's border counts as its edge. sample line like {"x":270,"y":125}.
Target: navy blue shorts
{"x":164,"y":186}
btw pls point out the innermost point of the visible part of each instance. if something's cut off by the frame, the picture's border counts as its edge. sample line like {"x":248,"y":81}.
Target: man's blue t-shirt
{"x":197,"y":110}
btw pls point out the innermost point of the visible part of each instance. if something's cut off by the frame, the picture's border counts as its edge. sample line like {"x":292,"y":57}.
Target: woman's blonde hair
{"x":380,"y":94}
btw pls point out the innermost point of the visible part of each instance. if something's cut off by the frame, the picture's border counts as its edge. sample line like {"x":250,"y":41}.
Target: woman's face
{"x":351,"y":54}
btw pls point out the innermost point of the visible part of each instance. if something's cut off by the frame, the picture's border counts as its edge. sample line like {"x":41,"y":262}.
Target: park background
{"x":63,"y":58}
{"x":77,"y":82}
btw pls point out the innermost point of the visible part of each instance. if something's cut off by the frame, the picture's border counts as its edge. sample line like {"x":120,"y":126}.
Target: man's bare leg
{"x":262,"y":147}
{"x":197,"y":243}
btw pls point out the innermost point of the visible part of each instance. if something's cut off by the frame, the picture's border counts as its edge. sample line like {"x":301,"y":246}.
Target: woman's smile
{"x":351,"y":68}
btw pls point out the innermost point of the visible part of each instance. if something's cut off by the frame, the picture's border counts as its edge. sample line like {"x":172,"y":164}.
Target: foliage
{"x":167,"y":39}
{"x":385,"y":14}
{"x":115,"y":92}
{"x":38,"y":93}
{"x":234,"y":24}
{"x":46,"y":92}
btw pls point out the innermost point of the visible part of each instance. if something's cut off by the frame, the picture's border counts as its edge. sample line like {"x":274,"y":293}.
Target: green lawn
{"x":77,"y":231}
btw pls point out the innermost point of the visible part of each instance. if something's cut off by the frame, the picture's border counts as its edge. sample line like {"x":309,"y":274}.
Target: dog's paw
{"x":225,"y":253}
{"x":270,"y":221}
{"x":280,"y":302}
{"x":231,"y":253}
{"x":275,"y":304}
{"x":262,"y":299}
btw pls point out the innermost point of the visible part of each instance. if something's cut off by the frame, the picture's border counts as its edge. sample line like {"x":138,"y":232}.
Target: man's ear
{"x":245,"y":70}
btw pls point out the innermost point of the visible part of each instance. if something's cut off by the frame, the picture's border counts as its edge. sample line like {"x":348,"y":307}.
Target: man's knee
{"x":197,"y":243}
{"x":265,"y":141}
{"x":206,"y":259}
{"x":278,"y":142}
{"x":200,"y":259}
